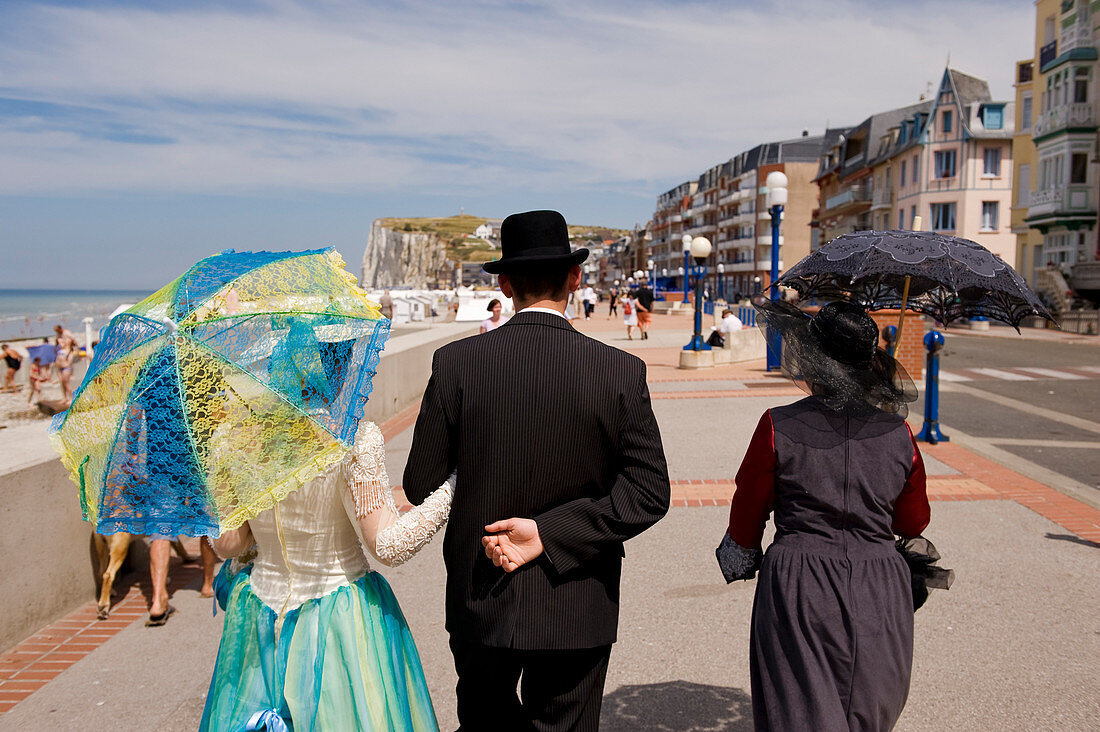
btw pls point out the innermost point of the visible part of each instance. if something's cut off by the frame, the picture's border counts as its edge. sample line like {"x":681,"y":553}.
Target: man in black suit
{"x":559,"y":462}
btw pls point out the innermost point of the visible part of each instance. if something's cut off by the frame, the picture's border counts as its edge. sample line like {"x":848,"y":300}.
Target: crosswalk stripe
{"x":1051,"y":373}
{"x":953,"y":376}
{"x":1005,"y":375}
{"x":1094,"y":369}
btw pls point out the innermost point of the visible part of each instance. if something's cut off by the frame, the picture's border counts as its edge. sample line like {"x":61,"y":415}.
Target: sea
{"x":27,"y":314}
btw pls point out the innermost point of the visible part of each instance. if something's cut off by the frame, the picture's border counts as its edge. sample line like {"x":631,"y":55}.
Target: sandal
{"x":155,"y":621}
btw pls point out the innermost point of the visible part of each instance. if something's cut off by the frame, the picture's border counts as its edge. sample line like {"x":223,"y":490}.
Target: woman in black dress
{"x":832,"y":621}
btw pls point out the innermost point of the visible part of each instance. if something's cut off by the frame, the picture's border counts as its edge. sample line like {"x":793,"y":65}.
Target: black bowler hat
{"x":534,"y":240}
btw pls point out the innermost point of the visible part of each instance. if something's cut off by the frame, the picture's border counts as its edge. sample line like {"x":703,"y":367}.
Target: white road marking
{"x":954,"y":376}
{"x":1004,"y":375}
{"x":1094,"y":369}
{"x":1052,"y":373}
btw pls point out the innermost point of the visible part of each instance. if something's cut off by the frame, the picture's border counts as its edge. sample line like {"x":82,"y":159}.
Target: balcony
{"x":852,"y":198}
{"x":882,"y":199}
{"x":728,"y":221}
{"x":1078,"y":35}
{"x":1076,"y":116}
{"x":1048,"y":53}
{"x":767,"y":240}
{"x":728,"y":198}
{"x":675,"y":218}
{"x":740,"y":267}
{"x":699,"y":208}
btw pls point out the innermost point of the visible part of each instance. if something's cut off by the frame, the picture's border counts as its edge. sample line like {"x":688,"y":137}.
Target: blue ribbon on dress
{"x":268,"y":719}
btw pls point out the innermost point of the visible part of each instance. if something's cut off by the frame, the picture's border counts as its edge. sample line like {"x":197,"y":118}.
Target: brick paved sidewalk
{"x":968,"y":477}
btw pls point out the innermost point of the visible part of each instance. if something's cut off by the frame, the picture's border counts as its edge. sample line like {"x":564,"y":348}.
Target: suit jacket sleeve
{"x":578,"y":530}
{"x":432,"y":457}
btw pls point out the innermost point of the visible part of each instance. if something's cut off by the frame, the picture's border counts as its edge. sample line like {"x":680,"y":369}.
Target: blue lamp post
{"x":700,"y":250}
{"x":687,"y":264}
{"x":721,"y":276}
{"x":652,"y":277}
{"x":777,"y":199}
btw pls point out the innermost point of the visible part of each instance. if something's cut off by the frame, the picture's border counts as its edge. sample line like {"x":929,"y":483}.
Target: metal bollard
{"x":930,"y":432}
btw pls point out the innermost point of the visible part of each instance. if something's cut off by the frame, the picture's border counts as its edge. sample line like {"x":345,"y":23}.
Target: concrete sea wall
{"x":49,"y":561}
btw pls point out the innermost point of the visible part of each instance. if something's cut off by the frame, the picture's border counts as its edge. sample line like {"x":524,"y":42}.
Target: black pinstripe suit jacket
{"x":541,"y":422}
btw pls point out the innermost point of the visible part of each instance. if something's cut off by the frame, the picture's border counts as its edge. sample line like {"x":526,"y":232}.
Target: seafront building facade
{"x":726,"y":204}
{"x":1058,"y":192}
{"x":947,"y":159}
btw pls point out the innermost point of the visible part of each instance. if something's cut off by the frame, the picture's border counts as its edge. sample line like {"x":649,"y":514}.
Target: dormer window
{"x":993,"y":116}
{"x":947,"y":119}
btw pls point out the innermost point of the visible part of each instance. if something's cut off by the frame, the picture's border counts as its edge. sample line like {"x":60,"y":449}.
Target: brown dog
{"x":111,"y":551}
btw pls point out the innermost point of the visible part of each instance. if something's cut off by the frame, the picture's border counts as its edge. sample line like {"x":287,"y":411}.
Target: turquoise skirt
{"x":343,"y":661}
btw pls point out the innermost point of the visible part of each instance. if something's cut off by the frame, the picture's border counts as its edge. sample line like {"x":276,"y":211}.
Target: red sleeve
{"x":911,"y":511}
{"x":755,"y":493}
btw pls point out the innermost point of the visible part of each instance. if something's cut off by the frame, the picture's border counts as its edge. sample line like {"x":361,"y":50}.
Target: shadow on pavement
{"x":676,"y":706}
{"x":1073,"y":539}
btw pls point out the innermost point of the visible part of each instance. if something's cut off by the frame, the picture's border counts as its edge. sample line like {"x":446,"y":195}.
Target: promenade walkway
{"x":1013,"y":646}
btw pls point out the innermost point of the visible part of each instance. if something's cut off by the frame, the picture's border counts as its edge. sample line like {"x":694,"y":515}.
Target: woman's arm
{"x":233,"y":543}
{"x":740,"y":552}
{"x":392,"y":538}
{"x":911,"y":511}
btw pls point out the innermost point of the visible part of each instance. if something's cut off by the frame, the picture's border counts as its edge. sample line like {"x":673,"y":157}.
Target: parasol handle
{"x":901,"y":315}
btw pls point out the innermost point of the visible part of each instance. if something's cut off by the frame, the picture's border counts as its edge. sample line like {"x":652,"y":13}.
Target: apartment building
{"x":726,"y":204}
{"x":945,"y":159}
{"x":1060,"y":187}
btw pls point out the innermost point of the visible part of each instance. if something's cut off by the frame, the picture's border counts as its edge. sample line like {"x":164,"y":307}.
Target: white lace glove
{"x":392,"y":537}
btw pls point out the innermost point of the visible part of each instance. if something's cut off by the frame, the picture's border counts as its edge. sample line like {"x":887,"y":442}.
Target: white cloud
{"x":342,"y":96}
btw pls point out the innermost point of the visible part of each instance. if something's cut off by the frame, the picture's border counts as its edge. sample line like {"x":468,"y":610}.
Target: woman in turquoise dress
{"x":313,"y":639}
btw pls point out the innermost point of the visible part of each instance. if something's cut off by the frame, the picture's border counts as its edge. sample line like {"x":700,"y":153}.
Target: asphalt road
{"x":1050,"y":422}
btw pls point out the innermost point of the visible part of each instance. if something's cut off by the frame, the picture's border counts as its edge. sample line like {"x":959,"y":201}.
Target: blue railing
{"x":747,"y":316}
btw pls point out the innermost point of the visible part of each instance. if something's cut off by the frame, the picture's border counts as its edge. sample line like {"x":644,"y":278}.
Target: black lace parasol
{"x":948,"y":278}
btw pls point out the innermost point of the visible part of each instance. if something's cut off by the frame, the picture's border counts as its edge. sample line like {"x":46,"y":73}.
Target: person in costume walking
{"x":832,"y":620}
{"x":559,"y":462}
{"x":312,"y":636}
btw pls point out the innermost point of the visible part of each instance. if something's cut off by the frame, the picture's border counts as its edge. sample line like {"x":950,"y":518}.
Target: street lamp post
{"x":700,"y":250}
{"x":652,"y":277}
{"x":687,"y":264}
{"x":721,"y":276}
{"x":777,"y":199}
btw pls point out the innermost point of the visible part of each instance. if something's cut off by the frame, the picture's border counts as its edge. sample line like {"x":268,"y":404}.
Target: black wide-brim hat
{"x":835,"y":356}
{"x":534,"y":240}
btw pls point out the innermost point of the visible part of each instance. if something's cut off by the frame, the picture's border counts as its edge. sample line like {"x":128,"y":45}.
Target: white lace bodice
{"x":326,"y":524}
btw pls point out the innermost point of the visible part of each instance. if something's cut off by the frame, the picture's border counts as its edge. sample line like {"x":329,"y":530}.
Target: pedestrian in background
{"x":644,"y":297}
{"x":613,"y":302}
{"x":386,"y":302}
{"x":495,"y":320}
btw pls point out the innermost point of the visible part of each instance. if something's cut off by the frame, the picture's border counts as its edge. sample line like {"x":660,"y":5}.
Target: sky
{"x":139,"y":136}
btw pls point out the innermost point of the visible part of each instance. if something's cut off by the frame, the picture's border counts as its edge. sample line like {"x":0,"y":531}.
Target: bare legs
{"x":159,"y":551}
{"x":206,"y":552}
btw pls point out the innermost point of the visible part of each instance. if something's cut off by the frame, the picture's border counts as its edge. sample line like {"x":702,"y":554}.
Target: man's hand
{"x":512,"y":543}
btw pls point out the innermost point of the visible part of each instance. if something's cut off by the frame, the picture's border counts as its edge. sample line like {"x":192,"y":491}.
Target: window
{"x":915,"y":159}
{"x":993,"y":116}
{"x":913,"y":216}
{"x":945,"y":163}
{"x":902,"y":176}
{"x":943,"y":216}
{"x":1023,"y":185}
{"x":990,"y":209}
{"x":901,"y":218}
{"x":1025,"y":113}
{"x":991,"y":161}
{"x":1079,"y":168}
{"x":1080,"y":86}
{"x":946,"y":121}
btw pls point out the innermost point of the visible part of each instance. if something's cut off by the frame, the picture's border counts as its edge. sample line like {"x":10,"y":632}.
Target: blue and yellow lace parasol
{"x":222,"y":392}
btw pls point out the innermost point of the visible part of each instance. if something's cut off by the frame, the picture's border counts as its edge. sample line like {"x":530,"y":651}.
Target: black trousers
{"x":558,"y":690}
